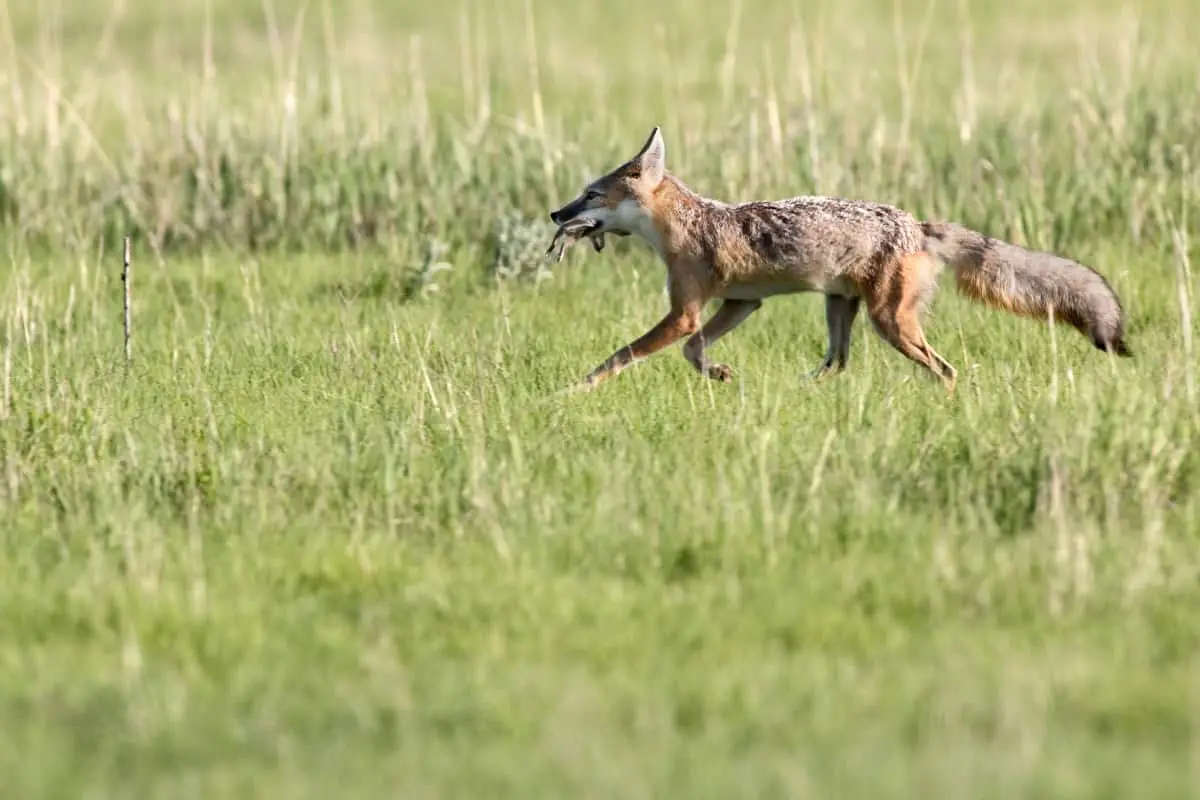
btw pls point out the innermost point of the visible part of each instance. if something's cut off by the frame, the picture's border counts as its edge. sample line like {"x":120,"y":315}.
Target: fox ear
{"x":653,"y":157}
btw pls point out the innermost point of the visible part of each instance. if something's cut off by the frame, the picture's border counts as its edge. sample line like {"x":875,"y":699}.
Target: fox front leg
{"x":677,"y":324}
{"x":731,"y":314}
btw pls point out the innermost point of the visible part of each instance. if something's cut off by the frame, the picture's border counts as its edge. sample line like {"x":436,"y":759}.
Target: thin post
{"x":126,"y":280}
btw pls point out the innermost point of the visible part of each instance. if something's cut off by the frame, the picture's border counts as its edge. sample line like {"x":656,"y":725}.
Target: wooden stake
{"x":126,"y":279}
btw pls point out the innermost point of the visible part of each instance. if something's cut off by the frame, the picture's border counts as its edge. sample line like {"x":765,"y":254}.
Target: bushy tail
{"x":1030,"y":283}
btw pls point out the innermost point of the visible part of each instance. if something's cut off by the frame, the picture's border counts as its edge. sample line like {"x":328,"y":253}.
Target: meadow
{"x":332,"y":532}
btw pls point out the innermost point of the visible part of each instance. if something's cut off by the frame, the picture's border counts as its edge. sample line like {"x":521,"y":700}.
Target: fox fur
{"x":859,"y":254}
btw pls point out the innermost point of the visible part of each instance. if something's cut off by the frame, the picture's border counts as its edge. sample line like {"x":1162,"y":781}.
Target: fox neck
{"x":641,"y":222}
{"x":664,"y":221}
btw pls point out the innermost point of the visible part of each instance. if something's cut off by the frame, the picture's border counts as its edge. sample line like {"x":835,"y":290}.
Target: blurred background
{"x":339,"y":123}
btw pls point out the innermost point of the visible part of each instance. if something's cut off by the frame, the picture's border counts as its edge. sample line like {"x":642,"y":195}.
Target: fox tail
{"x":1030,"y":283}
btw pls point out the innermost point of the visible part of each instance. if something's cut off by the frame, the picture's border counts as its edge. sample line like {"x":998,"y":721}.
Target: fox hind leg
{"x":904,"y":333}
{"x":895,"y":310}
{"x":840,"y":313}
{"x":731,"y":314}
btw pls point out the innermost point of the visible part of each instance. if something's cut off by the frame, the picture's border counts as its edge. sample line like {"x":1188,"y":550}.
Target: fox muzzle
{"x":568,"y":212}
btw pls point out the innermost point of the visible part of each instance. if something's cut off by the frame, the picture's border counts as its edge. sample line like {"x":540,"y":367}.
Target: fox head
{"x":619,"y":202}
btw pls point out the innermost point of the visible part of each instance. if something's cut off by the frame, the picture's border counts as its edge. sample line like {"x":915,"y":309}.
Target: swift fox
{"x":856,"y":253}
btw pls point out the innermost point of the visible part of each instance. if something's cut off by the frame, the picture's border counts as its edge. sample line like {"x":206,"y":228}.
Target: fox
{"x":857,"y":253}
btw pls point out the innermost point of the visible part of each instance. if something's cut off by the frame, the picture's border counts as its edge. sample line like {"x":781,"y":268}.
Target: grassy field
{"x":332,"y":534}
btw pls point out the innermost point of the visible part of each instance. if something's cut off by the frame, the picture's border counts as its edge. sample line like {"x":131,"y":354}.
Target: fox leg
{"x":680,"y":321}
{"x":904,"y":333}
{"x":731,"y":314}
{"x":840,"y":313}
{"x":894,"y":310}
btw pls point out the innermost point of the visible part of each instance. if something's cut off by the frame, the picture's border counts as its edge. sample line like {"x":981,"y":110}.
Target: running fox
{"x":854,"y":252}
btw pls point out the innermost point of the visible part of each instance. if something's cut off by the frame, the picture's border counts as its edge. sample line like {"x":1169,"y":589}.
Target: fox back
{"x":758,"y":248}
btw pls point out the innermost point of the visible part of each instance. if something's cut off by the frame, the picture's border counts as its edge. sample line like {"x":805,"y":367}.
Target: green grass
{"x":334,"y":534}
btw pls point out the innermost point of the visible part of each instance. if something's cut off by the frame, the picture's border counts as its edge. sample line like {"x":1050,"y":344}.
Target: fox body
{"x":860,"y":255}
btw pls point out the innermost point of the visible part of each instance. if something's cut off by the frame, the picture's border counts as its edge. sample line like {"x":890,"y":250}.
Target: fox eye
{"x":594,"y":194}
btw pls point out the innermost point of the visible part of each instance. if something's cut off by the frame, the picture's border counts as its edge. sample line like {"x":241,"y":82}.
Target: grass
{"x":333,"y":534}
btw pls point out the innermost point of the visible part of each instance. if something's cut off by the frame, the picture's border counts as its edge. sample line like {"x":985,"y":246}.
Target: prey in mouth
{"x":572,"y":231}
{"x":595,"y":214}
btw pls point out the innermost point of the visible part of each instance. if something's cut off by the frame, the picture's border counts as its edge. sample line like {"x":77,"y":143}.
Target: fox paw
{"x":720,"y":372}
{"x":579,"y":387}
{"x":825,"y":370}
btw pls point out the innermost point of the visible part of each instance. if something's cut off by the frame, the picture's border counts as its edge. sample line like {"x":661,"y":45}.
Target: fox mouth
{"x":572,"y":231}
{"x":579,"y":227}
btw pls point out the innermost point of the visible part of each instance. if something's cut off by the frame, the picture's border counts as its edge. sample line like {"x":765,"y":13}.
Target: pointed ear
{"x":652,"y":160}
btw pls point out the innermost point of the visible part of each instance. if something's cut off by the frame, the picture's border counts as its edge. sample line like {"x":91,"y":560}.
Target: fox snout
{"x":567,"y":212}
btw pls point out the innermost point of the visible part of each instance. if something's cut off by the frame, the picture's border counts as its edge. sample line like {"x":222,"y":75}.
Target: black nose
{"x":554,"y":217}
